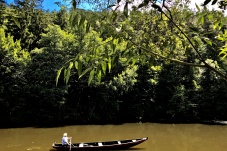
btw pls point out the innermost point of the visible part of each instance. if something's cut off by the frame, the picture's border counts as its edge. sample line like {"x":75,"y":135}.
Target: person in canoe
{"x":66,"y":140}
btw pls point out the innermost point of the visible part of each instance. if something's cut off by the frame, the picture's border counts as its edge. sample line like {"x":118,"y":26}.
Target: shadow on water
{"x":59,"y":125}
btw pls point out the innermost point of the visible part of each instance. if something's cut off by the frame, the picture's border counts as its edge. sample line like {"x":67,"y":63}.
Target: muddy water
{"x":162,"y":137}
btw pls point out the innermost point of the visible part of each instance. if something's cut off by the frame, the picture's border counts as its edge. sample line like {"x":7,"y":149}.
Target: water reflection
{"x":161,"y":137}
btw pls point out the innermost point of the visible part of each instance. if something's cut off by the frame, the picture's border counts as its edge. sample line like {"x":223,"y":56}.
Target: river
{"x":161,"y":137}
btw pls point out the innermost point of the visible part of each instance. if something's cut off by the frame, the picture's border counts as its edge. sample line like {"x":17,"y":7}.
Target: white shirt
{"x":64,"y":140}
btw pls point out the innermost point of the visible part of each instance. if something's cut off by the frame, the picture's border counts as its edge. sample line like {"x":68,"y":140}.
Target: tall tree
{"x":168,"y":12}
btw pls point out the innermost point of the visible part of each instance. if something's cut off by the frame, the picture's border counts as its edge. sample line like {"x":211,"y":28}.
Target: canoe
{"x":106,"y":145}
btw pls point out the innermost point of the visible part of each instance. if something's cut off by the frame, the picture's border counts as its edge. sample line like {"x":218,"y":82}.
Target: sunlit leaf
{"x":16,"y":21}
{"x":109,"y":64}
{"x":216,"y":25}
{"x":76,"y":64}
{"x":91,"y":76}
{"x":80,"y":58}
{"x":99,"y":75}
{"x":67,"y":75}
{"x":210,"y":16}
{"x":207,"y":41}
{"x":104,"y":67}
{"x":58,"y":75}
{"x":85,"y":71}
{"x":201,"y":20}
{"x":70,"y":65}
{"x":223,"y":57}
{"x":134,"y":60}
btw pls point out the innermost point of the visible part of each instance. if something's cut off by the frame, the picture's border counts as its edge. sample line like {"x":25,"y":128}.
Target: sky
{"x":49,"y":4}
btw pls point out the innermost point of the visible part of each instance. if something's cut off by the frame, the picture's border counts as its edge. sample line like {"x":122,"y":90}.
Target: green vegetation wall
{"x":85,"y":67}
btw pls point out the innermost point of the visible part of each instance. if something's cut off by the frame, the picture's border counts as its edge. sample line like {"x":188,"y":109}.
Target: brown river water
{"x":161,"y":137}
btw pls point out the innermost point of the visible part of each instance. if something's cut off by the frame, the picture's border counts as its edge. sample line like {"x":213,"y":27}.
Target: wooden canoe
{"x":107,"y":145}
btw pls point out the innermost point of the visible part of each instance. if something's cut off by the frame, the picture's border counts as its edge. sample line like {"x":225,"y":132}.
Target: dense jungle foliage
{"x":144,"y":64}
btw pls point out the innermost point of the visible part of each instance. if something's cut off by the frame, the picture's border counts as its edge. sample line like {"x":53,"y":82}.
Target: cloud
{"x":122,"y":3}
{"x":192,"y":5}
{"x":209,"y":6}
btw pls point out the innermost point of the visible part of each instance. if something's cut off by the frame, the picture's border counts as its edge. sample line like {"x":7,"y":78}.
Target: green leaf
{"x":99,"y":75}
{"x":80,"y":58}
{"x":214,"y":2}
{"x":58,"y":75}
{"x":216,"y":25}
{"x":134,"y":60}
{"x":74,"y":3}
{"x":109,"y":6}
{"x":91,"y":76}
{"x":70,"y":65}
{"x":104,"y":67}
{"x":109,"y":64}
{"x":84,"y":72}
{"x":67,"y":75}
{"x":129,"y":60}
{"x":157,"y":7}
{"x":113,"y":47}
{"x":188,"y":14}
{"x":114,"y":16}
{"x":201,"y":20}
{"x":142,"y":5}
{"x":224,"y":56}
{"x":187,"y":51}
{"x":126,"y":9}
{"x":210,"y":16}
{"x":206,"y":2}
{"x":197,"y":7}
{"x":16,"y":21}
{"x":74,"y":20}
{"x":76,"y":65}
{"x":88,"y":27}
{"x":80,"y":65}
{"x":81,"y":21}
{"x":70,"y":18}
{"x":207,"y":41}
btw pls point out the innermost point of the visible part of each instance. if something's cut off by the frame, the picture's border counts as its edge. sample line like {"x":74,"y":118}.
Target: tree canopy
{"x":156,"y":61}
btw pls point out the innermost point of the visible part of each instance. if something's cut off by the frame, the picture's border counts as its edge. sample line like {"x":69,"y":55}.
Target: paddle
{"x":70,"y":143}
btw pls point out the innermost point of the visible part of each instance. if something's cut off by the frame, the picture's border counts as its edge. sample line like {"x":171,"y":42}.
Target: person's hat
{"x":65,"y":134}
